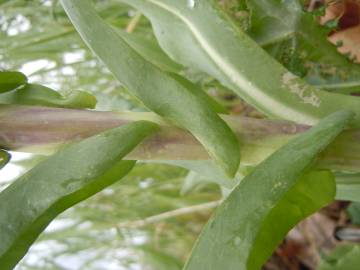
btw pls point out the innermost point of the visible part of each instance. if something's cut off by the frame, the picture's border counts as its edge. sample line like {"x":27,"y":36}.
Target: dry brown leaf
{"x":350,"y":42}
{"x":334,"y":10}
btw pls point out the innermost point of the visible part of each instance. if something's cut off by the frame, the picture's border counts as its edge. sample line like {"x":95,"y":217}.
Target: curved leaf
{"x":343,"y":257}
{"x":68,"y":177}
{"x":158,"y":91}
{"x":10,"y":80}
{"x":202,"y":37}
{"x":34,"y":94}
{"x":4,"y":158}
{"x":241,"y":234}
{"x":150,"y":50}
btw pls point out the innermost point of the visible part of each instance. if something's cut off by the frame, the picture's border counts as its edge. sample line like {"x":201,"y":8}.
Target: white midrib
{"x":276,"y":107}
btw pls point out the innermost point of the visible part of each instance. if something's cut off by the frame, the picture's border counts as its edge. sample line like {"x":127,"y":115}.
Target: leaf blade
{"x":4,"y":158}
{"x":9,"y":80}
{"x":34,"y":94}
{"x":237,"y":61}
{"x":240,"y":217}
{"x":61,"y":181}
{"x":158,"y":91}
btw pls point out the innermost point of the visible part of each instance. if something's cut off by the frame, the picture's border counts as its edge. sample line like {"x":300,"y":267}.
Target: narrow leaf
{"x":240,"y":235}
{"x":68,"y":177}
{"x":200,"y":36}
{"x":150,"y":50}
{"x":158,"y":91}
{"x":34,"y":94}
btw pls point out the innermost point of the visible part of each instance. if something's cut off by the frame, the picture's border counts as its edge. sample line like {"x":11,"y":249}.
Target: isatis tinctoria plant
{"x":294,"y":167}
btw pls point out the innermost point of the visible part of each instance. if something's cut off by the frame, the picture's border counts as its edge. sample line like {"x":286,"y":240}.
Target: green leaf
{"x":348,"y":186}
{"x":158,"y":91}
{"x":295,"y":38}
{"x":354,"y":212}
{"x":344,"y":257}
{"x":197,"y":91}
{"x":4,"y":158}
{"x":10,"y":80}
{"x":150,"y":50}
{"x":68,"y":177}
{"x":202,"y":37}
{"x":241,"y":234}
{"x":34,"y":94}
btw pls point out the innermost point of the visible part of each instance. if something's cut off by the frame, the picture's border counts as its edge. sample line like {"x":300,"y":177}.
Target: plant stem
{"x":133,"y":23}
{"x":43,"y":130}
{"x":170,"y":214}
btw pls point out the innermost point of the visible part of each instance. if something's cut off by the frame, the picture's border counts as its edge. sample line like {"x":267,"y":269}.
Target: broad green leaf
{"x":70,"y":176}
{"x":4,"y":158}
{"x":10,"y":80}
{"x":158,"y":91}
{"x":197,"y":34}
{"x":344,"y":257}
{"x":241,"y":234}
{"x":34,"y":94}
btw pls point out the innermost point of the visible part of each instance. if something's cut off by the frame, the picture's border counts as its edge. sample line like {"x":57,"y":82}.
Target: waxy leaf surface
{"x":34,"y":94}
{"x":10,"y":80}
{"x":276,"y":195}
{"x":199,"y":35}
{"x":158,"y":91}
{"x":80,"y":170}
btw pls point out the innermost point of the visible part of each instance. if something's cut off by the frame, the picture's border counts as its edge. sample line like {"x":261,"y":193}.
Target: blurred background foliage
{"x":112,"y":230}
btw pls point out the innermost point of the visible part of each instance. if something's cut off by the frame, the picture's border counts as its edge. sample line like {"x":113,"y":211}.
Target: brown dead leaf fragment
{"x":334,"y":10}
{"x":347,"y":35}
{"x":348,"y":42}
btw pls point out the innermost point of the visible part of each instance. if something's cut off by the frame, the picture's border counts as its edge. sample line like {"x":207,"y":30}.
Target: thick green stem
{"x":43,"y":130}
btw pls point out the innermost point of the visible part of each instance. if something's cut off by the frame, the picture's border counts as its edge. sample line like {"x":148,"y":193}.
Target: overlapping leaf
{"x":344,"y":257}
{"x":68,"y":177}
{"x":268,"y":202}
{"x":201,"y":36}
{"x":14,"y":89}
{"x":34,"y":94}
{"x":157,"y":90}
{"x":9,"y":80}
